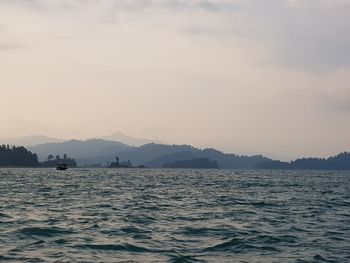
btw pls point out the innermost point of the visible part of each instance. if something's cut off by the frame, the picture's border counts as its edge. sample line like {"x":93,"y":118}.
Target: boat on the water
{"x":61,"y":166}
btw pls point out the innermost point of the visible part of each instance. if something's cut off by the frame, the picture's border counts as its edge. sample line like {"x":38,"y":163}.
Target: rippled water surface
{"x":141,"y":215}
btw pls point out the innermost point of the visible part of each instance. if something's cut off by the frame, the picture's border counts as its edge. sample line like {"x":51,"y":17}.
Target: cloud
{"x":308,"y":35}
{"x":10,"y":46}
{"x":125,"y":6}
{"x":299,"y":34}
{"x":319,"y":3}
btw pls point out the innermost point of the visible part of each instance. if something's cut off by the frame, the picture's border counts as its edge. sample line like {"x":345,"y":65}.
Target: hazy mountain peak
{"x":123,"y":138}
{"x":79,"y":148}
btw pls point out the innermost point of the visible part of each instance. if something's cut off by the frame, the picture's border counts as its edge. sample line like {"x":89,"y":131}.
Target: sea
{"x":159,"y":215}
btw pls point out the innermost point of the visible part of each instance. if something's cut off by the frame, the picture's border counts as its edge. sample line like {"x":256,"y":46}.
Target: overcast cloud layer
{"x":241,"y":75}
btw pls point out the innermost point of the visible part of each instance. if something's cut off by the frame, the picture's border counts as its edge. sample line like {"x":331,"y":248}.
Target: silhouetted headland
{"x":21,"y":157}
{"x":338,"y":162}
{"x":17,"y":157}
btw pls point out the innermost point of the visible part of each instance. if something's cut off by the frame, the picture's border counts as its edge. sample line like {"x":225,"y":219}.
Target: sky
{"x":243,"y":76}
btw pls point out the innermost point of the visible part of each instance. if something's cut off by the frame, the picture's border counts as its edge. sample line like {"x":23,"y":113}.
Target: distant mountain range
{"x":32,"y":140}
{"x":79,"y":149}
{"x":98,"y":151}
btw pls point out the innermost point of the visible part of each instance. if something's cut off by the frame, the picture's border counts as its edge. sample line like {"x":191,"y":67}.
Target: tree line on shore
{"x":338,"y":162}
{"x":17,"y":157}
{"x":21,"y":157}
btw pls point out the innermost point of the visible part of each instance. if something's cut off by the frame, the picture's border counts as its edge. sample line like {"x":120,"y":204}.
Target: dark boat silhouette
{"x":61,"y":166}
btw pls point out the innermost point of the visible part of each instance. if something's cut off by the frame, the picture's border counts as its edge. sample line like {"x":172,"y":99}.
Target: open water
{"x":145,"y":215}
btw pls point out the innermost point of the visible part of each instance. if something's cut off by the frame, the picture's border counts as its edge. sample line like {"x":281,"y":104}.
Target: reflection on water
{"x":106,"y":215}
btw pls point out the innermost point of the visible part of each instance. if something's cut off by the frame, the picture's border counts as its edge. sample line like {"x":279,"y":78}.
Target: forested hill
{"x":156,"y":155}
{"x":99,"y":152}
{"x":17,"y":157}
{"x":79,"y":149}
{"x":338,"y":162}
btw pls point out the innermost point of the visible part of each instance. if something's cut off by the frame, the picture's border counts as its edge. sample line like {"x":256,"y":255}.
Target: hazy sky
{"x":240,"y":75}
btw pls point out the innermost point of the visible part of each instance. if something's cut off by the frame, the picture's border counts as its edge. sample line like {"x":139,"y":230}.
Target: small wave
{"x":133,"y":230}
{"x":233,"y":243}
{"x":43,"y":231}
{"x":5,"y":258}
{"x":44,"y":189}
{"x":239,"y":245}
{"x":140,"y":219}
{"x":265,"y":239}
{"x":183,"y":259}
{"x":319,"y":258}
{"x":61,"y":241}
{"x":192,"y":231}
{"x":38,"y":242}
{"x":3,"y":215}
{"x":113,"y":247}
{"x":298,"y":229}
{"x":104,"y":205}
{"x":262,"y":204}
{"x":5,"y":219}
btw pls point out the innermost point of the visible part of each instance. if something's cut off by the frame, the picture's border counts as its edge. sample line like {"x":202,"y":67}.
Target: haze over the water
{"x":239,"y":75}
